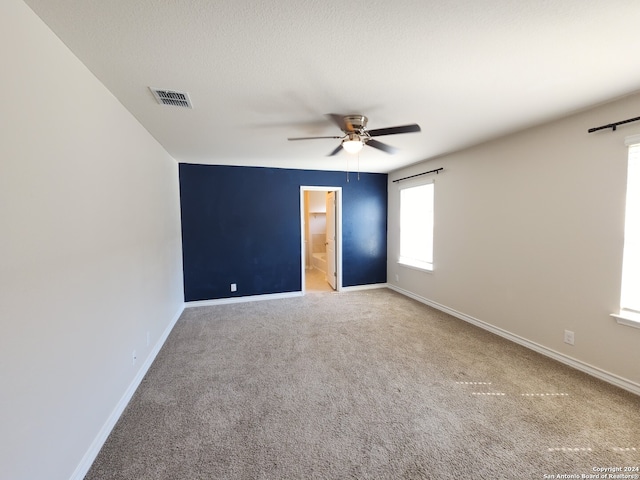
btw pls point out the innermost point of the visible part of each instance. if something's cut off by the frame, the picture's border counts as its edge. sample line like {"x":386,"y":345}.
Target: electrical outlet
{"x":397,"y":277}
{"x":133,"y":358}
{"x":569,"y":337}
{"x":234,"y":287}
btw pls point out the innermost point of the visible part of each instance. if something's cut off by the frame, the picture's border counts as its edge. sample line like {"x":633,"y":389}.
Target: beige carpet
{"x":369,"y":385}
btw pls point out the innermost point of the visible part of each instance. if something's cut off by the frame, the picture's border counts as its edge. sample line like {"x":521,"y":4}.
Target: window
{"x":416,"y":226}
{"x":630,"y":294}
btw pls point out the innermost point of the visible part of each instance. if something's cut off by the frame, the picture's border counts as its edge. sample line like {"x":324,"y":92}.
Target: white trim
{"x":338,"y":191}
{"x":632,"y":140}
{"x":370,"y":286}
{"x":572,"y":362}
{"x":416,"y":265}
{"x":89,"y":457}
{"x":248,"y":298}
{"x":627,"y":318}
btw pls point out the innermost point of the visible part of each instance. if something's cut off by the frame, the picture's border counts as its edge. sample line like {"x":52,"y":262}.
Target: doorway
{"x":321,"y":234}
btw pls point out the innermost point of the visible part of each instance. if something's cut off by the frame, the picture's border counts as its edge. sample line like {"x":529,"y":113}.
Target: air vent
{"x":171,"y":97}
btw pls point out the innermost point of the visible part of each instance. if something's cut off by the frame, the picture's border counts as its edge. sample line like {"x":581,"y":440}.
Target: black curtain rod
{"x":614,"y":125}
{"x":437,"y":170}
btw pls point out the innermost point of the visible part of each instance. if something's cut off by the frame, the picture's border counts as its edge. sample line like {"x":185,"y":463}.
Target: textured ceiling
{"x":258,"y":72}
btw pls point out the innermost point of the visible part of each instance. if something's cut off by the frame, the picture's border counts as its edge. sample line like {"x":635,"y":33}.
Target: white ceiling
{"x":259,"y":71}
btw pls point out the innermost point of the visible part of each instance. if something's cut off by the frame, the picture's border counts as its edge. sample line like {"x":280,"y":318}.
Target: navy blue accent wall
{"x":242,"y":225}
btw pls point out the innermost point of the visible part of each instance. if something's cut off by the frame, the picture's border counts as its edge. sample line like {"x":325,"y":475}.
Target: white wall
{"x":90,"y":252}
{"x":528,"y":239}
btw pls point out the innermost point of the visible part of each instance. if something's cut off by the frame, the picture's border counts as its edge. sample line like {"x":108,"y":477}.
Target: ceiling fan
{"x":357,"y":136}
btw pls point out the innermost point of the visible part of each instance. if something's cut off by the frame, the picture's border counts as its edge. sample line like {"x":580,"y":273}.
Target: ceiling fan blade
{"x":414,"y":127}
{"x":338,"y":148}
{"x":309,"y":138}
{"x":339,"y":121}
{"x":381,"y":146}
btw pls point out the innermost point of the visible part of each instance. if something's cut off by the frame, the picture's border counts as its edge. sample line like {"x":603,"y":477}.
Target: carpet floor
{"x":362,"y":385}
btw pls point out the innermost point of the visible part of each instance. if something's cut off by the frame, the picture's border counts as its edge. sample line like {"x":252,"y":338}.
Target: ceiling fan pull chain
{"x":347,"y":168}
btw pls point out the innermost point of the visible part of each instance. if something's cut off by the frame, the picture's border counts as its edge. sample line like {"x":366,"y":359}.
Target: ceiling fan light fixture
{"x":353,"y":143}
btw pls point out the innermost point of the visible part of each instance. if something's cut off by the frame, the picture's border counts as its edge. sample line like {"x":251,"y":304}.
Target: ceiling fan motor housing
{"x":357,"y":122}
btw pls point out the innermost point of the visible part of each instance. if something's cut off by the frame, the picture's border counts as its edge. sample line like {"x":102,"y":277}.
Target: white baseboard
{"x":248,"y":298}
{"x":89,"y":457}
{"x":272,"y":296}
{"x":560,"y":357}
{"x":370,"y":286}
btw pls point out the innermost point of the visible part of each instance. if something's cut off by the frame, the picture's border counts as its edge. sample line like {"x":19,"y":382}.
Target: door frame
{"x":303,"y":252}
